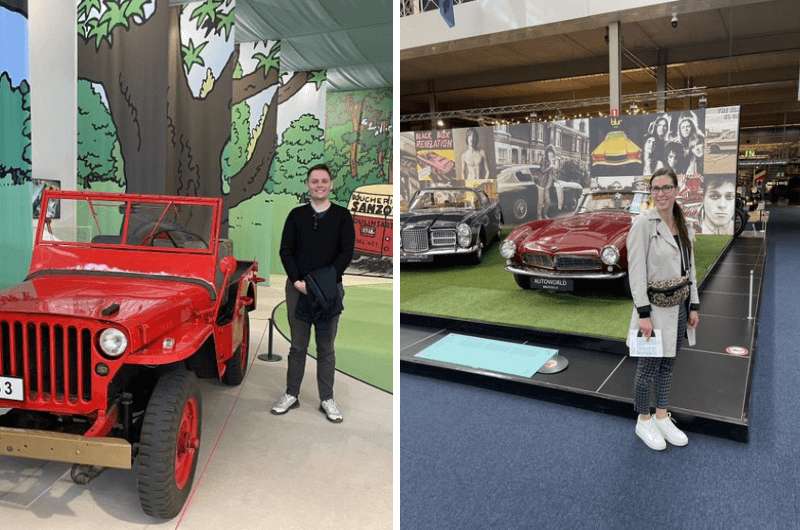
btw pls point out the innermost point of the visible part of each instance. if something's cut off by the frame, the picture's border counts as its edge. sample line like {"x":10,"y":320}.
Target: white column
{"x":614,"y":62}
{"x":53,"y":42}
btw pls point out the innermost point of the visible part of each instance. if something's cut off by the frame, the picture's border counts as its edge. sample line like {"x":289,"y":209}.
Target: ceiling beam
{"x":764,"y":44}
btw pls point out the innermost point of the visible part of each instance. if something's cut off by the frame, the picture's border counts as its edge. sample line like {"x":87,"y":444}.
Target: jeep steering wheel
{"x":167,"y":234}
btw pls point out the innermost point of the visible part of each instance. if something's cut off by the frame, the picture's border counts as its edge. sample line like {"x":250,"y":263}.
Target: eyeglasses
{"x":662,"y":189}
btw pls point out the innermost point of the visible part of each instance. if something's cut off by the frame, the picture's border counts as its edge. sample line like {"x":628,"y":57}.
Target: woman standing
{"x":661,"y":273}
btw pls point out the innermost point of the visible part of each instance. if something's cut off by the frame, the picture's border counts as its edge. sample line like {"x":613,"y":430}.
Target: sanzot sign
{"x":371,"y":204}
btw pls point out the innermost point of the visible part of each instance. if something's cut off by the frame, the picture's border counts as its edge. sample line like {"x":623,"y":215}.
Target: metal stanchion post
{"x":269,"y":356}
{"x":750,"y":299}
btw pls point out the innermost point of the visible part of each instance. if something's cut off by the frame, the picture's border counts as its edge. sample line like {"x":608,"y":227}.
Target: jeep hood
{"x":141,"y":301}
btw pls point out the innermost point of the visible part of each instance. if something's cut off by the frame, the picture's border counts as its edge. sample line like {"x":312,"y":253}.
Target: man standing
{"x":316,"y":236}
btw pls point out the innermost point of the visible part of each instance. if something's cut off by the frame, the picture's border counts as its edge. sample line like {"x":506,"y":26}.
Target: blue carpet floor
{"x":474,"y":458}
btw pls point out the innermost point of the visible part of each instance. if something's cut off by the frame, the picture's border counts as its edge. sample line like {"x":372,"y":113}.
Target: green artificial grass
{"x":488,"y":293}
{"x":364,"y":339}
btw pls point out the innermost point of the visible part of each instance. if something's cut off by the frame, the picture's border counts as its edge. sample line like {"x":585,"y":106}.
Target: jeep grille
{"x":53,"y":359}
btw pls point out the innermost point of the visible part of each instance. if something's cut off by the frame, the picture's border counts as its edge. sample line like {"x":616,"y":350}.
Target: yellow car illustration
{"x":616,"y":150}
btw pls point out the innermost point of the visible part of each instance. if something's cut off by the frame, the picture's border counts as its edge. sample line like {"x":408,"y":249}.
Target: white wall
{"x":53,"y":42}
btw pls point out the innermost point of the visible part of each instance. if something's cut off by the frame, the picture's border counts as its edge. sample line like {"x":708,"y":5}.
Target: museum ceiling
{"x":747,"y":55}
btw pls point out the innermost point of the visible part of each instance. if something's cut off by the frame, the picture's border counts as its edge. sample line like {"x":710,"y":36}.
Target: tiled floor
{"x":255,"y":470}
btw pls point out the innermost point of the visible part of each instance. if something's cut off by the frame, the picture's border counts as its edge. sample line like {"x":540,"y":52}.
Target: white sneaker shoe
{"x":285,"y":403}
{"x":650,"y":435}
{"x":670,"y":432}
{"x":331,"y":411}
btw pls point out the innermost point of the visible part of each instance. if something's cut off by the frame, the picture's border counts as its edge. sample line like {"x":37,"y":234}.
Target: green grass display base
{"x":364,"y":339}
{"x":488,"y":293}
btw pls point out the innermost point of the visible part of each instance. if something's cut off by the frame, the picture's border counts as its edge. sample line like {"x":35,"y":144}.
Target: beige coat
{"x":654,"y":255}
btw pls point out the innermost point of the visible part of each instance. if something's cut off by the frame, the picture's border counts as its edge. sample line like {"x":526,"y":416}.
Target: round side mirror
{"x":227,"y":265}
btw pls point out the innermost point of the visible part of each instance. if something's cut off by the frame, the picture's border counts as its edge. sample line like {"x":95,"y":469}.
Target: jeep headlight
{"x":508,"y":249}
{"x":113,"y":342}
{"x":464,"y":235}
{"x":610,"y":255}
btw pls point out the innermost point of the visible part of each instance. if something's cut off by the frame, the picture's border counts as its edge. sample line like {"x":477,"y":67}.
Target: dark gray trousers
{"x":301,"y":334}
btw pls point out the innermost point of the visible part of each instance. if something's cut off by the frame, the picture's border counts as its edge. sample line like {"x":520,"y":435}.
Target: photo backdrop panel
{"x":566,"y":157}
{"x":16,"y":232}
{"x":358,"y":147}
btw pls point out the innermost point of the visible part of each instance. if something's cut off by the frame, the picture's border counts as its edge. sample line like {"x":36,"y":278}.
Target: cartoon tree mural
{"x":302,"y":147}
{"x":197,"y":157}
{"x":15,"y":149}
{"x":98,"y":149}
{"x":358,"y":139}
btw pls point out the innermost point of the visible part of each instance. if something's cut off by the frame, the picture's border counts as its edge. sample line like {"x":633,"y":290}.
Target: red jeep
{"x":101,"y":344}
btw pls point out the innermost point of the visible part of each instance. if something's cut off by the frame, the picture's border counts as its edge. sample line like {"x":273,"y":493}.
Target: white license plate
{"x":553,"y":284}
{"x":12,"y":388}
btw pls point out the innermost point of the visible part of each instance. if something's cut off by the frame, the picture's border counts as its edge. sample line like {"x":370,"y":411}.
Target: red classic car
{"x":127,"y":302}
{"x":552,"y":253}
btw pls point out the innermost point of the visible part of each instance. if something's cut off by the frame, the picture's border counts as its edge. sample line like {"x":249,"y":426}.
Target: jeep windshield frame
{"x":145,"y":221}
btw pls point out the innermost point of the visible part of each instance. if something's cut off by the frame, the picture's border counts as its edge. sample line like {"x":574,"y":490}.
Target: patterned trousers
{"x":650,"y":370}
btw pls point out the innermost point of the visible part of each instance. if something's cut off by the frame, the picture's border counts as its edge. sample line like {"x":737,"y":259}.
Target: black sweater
{"x":304,"y":249}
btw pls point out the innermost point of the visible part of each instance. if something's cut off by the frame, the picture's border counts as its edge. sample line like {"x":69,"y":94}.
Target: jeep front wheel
{"x":169,"y":444}
{"x":236,"y":366}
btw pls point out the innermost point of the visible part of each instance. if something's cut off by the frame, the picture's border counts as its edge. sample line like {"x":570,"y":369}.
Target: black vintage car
{"x":448,"y":221}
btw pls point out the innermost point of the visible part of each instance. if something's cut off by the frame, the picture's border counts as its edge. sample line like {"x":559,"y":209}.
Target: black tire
{"x":739,"y":222}
{"x":476,"y":257}
{"x":160,"y":494}
{"x":236,"y":366}
{"x":523,"y":281}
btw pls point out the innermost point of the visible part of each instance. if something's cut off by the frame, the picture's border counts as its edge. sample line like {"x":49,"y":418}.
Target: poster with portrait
{"x":436,"y":163}
{"x":475,"y":158}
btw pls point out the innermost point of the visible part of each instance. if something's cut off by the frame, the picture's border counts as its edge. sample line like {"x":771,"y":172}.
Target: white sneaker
{"x":285,"y":403}
{"x":650,"y":435}
{"x":331,"y":411}
{"x":671,"y":433}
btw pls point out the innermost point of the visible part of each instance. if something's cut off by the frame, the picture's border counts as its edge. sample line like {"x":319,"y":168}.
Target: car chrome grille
{"x":443,"y":238}
{"x":54,"y":360}
{"x":414,"y":240}
{"x":567,"y":262}
{"x":542,"y":261}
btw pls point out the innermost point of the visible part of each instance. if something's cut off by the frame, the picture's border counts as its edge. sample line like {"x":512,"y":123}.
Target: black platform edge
{"x":754,"y":339}
{"x":623,"y":408}
{"x":533,"y":334}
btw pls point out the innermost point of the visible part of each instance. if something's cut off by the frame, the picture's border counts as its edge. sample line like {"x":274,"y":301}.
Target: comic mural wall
{"x":15,"y":143}
{"x":539,"y":170}
{"x":235,"y":125}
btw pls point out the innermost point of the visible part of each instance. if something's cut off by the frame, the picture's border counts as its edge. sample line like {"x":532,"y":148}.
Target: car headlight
{"x":508,"y":249}
{"x":610,"y":255}
{"x":464,"y":235}
{"x":113,"y":342}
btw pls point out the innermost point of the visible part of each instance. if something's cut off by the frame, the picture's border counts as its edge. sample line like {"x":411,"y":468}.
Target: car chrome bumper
{"x":61,"y":447}
{"x":577,"y":275}
{"x":446,"y":251}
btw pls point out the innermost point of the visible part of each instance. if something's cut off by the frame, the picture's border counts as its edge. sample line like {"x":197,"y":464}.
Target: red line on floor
{"x":196,"y":486}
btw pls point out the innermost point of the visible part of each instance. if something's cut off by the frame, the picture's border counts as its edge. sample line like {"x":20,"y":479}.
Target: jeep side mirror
{"x":227,"y":265}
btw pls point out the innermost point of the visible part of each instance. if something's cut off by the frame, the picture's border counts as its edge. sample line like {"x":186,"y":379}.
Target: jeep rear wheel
{"x":169,"y":444}
{"x":236,"y":366}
